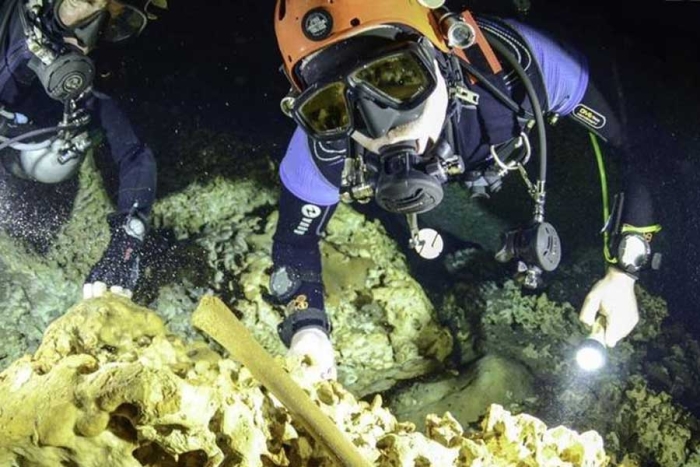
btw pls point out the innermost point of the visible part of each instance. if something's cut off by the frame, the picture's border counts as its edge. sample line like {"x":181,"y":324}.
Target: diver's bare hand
{"x":612,"y":297}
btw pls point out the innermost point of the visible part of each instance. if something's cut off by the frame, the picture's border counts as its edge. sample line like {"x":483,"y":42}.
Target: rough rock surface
{"x":37,"y":288}
{"x":110,"y":387}
{"x":628,"y":402}
{"x":491,"y":380}
{"x":385,"y":328}
{"x":212,"y":233}
{"x":223,"y":234}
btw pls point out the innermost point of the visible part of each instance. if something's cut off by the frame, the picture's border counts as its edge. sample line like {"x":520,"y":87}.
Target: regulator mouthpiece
{"x":67,"y":77}
{"x":403,"y":186}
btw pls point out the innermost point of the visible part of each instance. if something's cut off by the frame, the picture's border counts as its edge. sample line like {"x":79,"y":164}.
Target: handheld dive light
{"x":592,"y":354}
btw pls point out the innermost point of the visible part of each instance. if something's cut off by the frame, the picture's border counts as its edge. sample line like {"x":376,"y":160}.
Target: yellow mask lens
{"x":400,"y":77}
{"x":327,"y":110}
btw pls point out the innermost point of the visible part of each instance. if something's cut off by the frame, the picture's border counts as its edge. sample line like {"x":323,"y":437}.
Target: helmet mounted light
{"x":458,"y":32}
{"x":317,"y":24}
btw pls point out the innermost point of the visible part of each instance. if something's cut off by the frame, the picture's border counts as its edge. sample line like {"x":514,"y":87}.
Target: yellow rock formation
{"x":109,"y":387}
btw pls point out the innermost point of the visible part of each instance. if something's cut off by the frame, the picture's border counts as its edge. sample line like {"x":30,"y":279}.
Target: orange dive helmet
{"x":307,"y":26}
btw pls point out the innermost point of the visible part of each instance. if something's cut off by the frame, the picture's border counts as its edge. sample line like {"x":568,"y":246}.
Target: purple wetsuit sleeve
{"x":564,"y":69}
{"x":301,"y":176}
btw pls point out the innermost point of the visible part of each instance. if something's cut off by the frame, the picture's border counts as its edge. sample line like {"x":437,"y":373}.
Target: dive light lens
{"x":591,"y":355}
{"x":401,"y":77}
{"x":326,"y":112}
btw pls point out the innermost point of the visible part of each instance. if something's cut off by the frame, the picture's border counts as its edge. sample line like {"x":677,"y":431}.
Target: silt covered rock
{"x":109,"y":386}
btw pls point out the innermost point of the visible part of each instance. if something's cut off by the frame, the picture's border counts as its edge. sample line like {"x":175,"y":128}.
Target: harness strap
{"x":481,"y":56}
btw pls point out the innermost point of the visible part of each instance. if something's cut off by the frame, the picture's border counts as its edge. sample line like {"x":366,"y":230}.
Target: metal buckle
{"x":465,"y":95}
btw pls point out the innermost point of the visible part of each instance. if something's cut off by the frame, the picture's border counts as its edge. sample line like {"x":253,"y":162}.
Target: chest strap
{"x":481,"y":56}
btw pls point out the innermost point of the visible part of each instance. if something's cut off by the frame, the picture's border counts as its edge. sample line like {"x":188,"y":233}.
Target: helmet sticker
{"x":317,"y":24}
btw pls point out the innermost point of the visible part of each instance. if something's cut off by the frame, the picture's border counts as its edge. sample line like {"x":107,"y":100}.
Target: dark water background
{"x":209,"y":68}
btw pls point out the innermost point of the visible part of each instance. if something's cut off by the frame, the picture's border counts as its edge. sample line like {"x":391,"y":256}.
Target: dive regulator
{"x":537,"y":249}
{"x":65,"y":72}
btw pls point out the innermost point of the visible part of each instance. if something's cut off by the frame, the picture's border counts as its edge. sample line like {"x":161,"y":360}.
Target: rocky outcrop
{"x":109,"y":386}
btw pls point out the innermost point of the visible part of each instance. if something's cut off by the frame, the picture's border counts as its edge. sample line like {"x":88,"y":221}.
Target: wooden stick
{"x":216,"y":319}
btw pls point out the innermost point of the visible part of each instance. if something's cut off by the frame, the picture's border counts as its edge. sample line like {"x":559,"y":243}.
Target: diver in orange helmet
{"x":392,"y":100}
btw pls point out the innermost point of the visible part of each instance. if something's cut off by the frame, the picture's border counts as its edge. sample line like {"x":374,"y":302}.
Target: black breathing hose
{"x":500,"y":95}
{"x":532,"y":95}
{"x":31,"y":134}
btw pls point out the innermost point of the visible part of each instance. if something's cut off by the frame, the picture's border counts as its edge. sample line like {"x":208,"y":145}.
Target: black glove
{"x":119,"y":265}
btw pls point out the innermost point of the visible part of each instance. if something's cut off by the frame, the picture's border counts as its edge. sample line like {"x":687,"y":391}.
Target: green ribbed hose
{"x":604,"y":192}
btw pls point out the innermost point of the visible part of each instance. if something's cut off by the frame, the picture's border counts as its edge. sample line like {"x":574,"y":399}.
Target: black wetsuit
{"x":21,"y":91}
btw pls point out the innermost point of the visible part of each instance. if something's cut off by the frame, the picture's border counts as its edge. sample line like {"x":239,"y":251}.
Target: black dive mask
{"x":410,"y":183}
{"x":385,"y":90}
{"x":116,"y":23}
{"x":88,"y":31}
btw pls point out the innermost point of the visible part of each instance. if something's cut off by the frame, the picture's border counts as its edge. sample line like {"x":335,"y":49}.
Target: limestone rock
{"x":659,"y":430}
{"x":384,"y":322}
{"x":386,"y":329}
{"x":467,"y":396}
{"x":37,"y":288}
{"x":639,"y":424}
{"x":110,"y":387}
